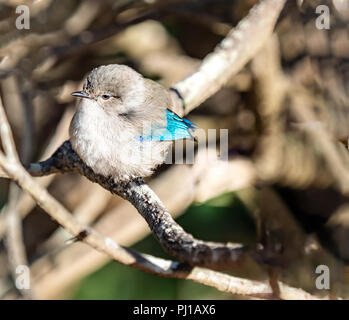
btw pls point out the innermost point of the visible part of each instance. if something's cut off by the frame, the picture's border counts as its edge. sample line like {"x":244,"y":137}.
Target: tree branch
{"x":129,"y":257}
{"x":171,"y":236}
{"x":226,"y":60}
{"x":229,"y":56}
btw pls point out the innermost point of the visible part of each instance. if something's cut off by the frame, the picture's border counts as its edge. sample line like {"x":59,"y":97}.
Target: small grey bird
{"x":123,"y":127}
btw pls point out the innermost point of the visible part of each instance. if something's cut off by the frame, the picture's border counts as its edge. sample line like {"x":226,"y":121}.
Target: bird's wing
{"x":176,"y":128}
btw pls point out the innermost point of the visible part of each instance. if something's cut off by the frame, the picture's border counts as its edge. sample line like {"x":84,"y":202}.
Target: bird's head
{"x":117,"y":89}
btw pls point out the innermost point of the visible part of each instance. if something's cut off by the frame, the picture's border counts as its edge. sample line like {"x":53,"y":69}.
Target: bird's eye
{"x":106,"y":96}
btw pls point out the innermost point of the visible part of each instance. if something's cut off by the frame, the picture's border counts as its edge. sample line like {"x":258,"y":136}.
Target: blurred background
{"x":285,"y":188}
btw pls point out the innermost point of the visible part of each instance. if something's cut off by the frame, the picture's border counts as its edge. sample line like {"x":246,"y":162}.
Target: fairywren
{"x":123,"y":126}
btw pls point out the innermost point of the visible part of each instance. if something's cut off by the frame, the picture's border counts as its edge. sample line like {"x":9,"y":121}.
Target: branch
{"x":171,"y":236}
{"x":177,"y":188}
{"x":6,"y":136}
{"x":229,"y":56}
{"x":129,"y":257}
{"x":25,"y":203}
{"x":14,"y":237}
{"x":224,"y":60}
{"x":227,"y":59}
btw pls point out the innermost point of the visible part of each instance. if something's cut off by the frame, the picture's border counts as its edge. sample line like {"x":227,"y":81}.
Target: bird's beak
{"x":81,"y":94}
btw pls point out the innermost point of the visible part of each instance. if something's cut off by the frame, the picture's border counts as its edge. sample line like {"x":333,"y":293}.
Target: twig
{"x":301,"y":108}
{"x":177,"y":187}
{"x":6,"y":136}
{"x":25,"y":203}
{"x":236,"y":49}
{"x":258,"y":25}
{"x":170,"y":235}
{"x":14,"y":169}
{"x":14,"y":240}
{"x":224,"y":60}
{"x":147,"y":263}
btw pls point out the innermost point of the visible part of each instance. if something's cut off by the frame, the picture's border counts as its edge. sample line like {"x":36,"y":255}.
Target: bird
{"x":123,"y":126}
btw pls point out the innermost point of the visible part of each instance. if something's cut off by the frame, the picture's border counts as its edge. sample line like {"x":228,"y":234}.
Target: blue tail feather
{"x":177,"y":128}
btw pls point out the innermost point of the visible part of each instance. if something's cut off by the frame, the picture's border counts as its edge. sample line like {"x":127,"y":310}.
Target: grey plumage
{"x":118,"y":107}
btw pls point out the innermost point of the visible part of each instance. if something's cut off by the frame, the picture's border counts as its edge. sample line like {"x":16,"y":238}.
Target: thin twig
{"x":25,"y":203}
{"x":14,"y":238}
{"x":258,"y":24}
{"x":6,"y":136}
{"x":229,"y":56}
{"x":147,"y":263}
{"x":171,"y":236}
{"x":177,"y":187}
